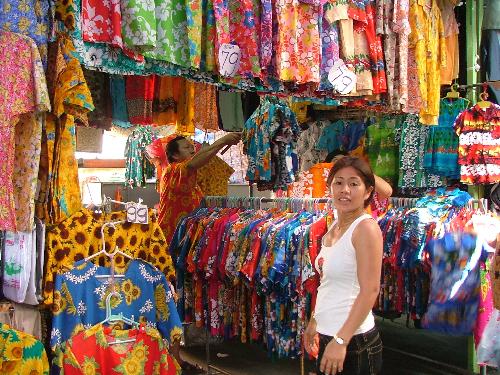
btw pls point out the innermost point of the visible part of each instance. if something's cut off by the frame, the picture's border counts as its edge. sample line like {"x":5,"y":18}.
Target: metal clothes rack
{"x":256,"y":203}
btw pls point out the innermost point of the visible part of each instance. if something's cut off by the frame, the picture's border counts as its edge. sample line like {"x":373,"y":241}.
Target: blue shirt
{"x":80,"y":299}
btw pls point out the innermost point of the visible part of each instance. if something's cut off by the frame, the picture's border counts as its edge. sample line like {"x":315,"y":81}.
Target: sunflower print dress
{"x":90,"y":352}
{"x":80,"y":300}
{"x":22,"y":354}
{"x":79,"y":236}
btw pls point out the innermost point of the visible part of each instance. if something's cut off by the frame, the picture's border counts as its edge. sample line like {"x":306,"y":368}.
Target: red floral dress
{"x":92,"y":351}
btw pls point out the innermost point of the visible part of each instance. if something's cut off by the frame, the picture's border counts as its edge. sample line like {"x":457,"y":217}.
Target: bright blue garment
{"x":80,"y":299}
{"x":455,"y":283}
{"x":441,"y":151}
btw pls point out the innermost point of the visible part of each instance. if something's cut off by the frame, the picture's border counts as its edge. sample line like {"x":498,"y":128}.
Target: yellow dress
{"x":427,"y":38}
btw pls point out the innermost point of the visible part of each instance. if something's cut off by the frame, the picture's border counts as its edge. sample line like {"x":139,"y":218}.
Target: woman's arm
{"x":367,"y":241}
{"x":203,"y":156}
{"x":369,"y":251}
{"x":382,"y":187}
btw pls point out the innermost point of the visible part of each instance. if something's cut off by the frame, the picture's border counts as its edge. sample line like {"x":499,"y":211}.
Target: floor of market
{"x":445,"y":355}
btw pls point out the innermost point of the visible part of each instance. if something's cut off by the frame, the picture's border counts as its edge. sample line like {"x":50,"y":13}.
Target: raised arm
{"x":203,"y":156}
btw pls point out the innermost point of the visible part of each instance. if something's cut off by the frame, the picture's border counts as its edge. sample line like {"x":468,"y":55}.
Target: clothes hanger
{"x":484,"y":102}
{"x":453,"y":93}
{"x":112,"y":318}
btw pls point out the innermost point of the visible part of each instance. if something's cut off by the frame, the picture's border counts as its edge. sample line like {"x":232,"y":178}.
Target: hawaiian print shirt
{"x":22,"y":354}
{"x":80,"y":236}
{"x":98,"y":351}
{"x":80,"y":299}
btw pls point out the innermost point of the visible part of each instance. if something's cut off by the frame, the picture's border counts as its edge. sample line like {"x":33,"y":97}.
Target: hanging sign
{"x":342,"y":79}
{"x":229,"y":59}
{"x":137,"y":213}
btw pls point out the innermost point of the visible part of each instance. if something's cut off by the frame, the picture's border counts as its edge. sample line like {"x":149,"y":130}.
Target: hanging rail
{"x":256,"y":202}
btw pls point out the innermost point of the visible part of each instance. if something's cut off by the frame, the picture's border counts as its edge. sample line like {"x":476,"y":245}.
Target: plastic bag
{"x":488,"y":351}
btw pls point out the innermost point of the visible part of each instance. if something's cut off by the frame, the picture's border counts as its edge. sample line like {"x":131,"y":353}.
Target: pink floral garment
{"x":16,"y":98}
{"x":298,"y":54}
{"x":237,"y":22}
{"x":28,"y":138}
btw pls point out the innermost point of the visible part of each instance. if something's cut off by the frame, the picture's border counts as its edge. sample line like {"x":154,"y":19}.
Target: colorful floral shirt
{"x":441,"y":150}
{"x":27,"y":138}
{"x":238,"y":22}
{"x":172,"y":42}
{"x":80,"y":236}
{"x":17,"y":96}
{"x":72,"y":101}
{"x":30,"y":18}
{"x":213,"y":177}
{"x":179,"y":195}
{"x":21,"y":354}
{"x":95,"y":351}
{"x":298,"y":52}
{"x":80,"y":299}
{"x":427,"y":37}
{"x":478,"y":131}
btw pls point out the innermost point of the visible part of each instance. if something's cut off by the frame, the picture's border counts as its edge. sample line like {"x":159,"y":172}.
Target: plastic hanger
{"x":112,"y":318}
{"x":484,"y":102}
{"x":453,"y":93}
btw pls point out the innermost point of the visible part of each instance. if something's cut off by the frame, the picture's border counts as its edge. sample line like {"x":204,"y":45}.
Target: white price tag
{"x":342,"y":79}
{"x":229,"y":59}
{"x":137,"y":213}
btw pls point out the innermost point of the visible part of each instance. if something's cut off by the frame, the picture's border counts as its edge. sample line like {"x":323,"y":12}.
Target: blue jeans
{"x":364,"y":354}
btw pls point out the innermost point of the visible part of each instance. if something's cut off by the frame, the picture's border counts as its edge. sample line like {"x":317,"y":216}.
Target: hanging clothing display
{"x":139,"y":91}
{"x":266,"y":256}
{"x":382,"y":147}
{"x":230,"y":110}
{"x":411,"y":156}
{"x":450,"y":26}
{"x":427,"y":37}
{"x":99,"y":350}
{"x":479,"y":140}
{"x":441,"y":150}
{"x":80,"y":299}
{"x":212,"y":177}
{"x":455,"y":283}
{"x":60,"y":188}
{"x":29,"y":18}
{"x":270,"y":137}
{"x":80,"y":236}
{"x":24,"y":91}
{"x":99,"y":86}
{"x":138,"y":168}
{"x":21,"y":353}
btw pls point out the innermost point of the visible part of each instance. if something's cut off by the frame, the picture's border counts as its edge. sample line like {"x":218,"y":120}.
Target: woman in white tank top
{"x":349,"y":265}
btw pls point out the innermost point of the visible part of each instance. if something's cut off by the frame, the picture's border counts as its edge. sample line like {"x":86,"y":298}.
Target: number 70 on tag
{"x":229,"y":59}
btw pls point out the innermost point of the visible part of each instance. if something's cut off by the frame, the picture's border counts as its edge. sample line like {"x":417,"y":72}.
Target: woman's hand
{"x":231,"y":139}
{"x":311,"y":339}
{"x":333,"y":358}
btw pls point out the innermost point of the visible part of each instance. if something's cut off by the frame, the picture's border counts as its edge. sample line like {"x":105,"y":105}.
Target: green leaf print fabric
{"x":139,"y":24}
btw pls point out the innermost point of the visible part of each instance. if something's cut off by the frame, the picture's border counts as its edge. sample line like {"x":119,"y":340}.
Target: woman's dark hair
{"x":364,"y":171}
{"x":173,"y":148}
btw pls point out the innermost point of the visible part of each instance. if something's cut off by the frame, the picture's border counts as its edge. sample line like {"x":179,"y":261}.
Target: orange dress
{"x":179,"y":195}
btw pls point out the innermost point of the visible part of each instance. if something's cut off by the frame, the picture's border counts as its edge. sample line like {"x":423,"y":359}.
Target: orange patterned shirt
{"x":179,"y":195}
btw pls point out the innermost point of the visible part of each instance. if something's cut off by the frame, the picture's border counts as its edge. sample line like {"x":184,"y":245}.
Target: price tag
{"x":342,"y":79}
{"x":137,"y":213}
{"x":229,"y":59}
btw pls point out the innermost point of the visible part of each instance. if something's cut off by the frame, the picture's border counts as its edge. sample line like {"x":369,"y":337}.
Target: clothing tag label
{"x":342,"y":79}
{"x":229,"y":59}
{"x":137,"y":213}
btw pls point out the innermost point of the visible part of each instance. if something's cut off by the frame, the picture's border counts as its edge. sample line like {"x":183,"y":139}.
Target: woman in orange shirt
{"x":179,"y":191}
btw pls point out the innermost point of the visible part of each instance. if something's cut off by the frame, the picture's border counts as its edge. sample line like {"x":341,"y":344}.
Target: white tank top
{"x":339,"y":284}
